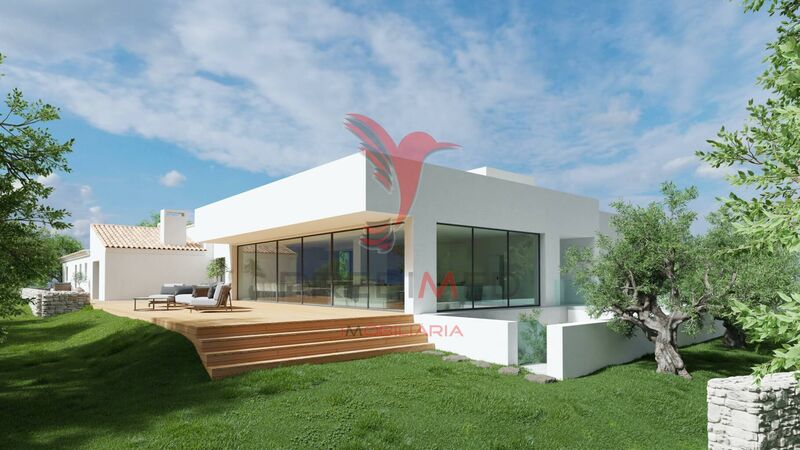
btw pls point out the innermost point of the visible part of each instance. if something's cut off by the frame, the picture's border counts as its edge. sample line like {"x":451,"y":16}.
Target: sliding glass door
{"x":349,"y":269}
{"x":454,"y":266}
{"x":326,"y":269}
{"x":266,"y":272}
{"x":486,"y":268}
{"x":246,"y":279}
{"x":290,"y":271}
{"x":386,"y":274}
{"x":317,"y":269}
{"x":489,"y":268}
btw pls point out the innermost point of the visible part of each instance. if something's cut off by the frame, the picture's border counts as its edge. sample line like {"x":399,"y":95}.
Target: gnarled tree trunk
{"x":734,"y":336}
{"x":667,"y":357}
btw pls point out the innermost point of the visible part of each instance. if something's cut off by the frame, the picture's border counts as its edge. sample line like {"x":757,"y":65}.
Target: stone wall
{"x":45,"y":303}
{"x":743,"y":415}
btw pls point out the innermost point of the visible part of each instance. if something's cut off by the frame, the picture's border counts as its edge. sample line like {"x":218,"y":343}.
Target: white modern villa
{"x":489,"y":241}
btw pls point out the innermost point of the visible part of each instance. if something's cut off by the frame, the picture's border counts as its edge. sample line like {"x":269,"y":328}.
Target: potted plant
{"x":78,"y":279}
{"x":217,"y":269}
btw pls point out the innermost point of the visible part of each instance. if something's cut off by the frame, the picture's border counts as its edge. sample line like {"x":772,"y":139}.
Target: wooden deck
{"x":258,"y":335}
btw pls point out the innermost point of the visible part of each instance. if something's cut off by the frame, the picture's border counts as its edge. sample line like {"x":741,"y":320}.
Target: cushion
{"x":168,"y":289}
{"x":200,"y":291}
{"x":184,"y":298}
{"x":202,"y":301}
{"x":211,"y":291}
{"x":183,"y":289}
{"x":218,"y":291}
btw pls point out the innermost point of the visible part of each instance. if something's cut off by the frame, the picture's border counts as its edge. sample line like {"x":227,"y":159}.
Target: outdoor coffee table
{"x":153,"y":300}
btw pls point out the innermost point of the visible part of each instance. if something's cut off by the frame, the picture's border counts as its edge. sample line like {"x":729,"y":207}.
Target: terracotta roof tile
{"x":144,"y":238}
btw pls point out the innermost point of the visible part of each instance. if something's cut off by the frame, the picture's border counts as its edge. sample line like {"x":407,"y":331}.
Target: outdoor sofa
{"x":218,"y":297}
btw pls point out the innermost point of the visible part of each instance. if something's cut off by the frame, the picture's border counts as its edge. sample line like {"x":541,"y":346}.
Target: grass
{"x":89,"y":379}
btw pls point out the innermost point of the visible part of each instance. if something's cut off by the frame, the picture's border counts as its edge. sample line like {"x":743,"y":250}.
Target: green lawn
{"x":90,"y":379}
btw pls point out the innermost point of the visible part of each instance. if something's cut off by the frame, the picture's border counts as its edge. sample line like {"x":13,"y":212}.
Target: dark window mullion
{"x":302,"y":270}
{"x":472,"y":267}
{"x":508,"y":269}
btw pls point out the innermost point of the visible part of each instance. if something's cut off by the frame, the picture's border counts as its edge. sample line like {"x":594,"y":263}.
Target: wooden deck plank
{"x":259,"y":335}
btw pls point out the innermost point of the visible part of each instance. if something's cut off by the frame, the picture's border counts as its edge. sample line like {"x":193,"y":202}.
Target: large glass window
{"x":349,"y":269}
{"x":266,"y":271}
{"x":289,"y":271}
{"x":332,"y":268}
{"x":246,"y":287}
{"x":454,"y":266}
{"x":489,"y":268}
{"x":386,"y":273}
{"x":523,"y":264}
{"x":317,"y":269}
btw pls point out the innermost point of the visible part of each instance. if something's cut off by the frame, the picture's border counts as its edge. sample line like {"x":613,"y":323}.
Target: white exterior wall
{"x":577,"y":349}
{"x":80,"y":262}
{"x":127,"y":273}
{"x":462,"y":198}
{"x":301,"y":204}
{"x":490,"y":340}
{"x":343,"y":195}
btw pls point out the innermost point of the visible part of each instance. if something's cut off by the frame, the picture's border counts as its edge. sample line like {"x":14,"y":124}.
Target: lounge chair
{"x":220,"y":299}
{"x":168,"y":293}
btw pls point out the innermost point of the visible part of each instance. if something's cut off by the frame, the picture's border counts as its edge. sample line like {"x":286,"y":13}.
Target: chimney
{"x":173,"y":227}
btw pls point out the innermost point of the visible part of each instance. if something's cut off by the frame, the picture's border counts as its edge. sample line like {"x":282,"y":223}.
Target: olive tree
{"x":654,"y":275}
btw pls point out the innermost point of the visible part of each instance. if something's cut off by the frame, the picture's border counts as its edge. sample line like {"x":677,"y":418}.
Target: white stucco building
{"x":124,"y":261}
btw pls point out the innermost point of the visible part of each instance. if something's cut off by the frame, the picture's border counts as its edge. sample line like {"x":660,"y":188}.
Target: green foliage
{"x":152,"y":221}
{"x":52,"y":397}
{"x":654,"y":262}
{"x":60,"y":245}
{"x":532,"y":348}
{"x":767,"y":155}
{"x":216,"y":269}
{"x":776,"y":326}
{"x":760,"y":274}
{"x":28,"y":154}
{"x":655,"y":275}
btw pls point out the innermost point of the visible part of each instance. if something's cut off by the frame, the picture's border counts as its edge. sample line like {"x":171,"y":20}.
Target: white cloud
{"x":707,"y":171}
{"x":679,"y":163}
{"x":173,"y":178}
{"x":49,"y":180}
{"x":79,"y":201}
{"x":264,"y":87}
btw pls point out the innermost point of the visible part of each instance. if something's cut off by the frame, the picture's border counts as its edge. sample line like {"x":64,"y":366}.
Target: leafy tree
{"x":152,"y":221}
{"x":654,"y":276}
{"x":60,"y":245}
{"x":767,"y":153}
{"x":28,"y":154}
{"x":759,"y":274}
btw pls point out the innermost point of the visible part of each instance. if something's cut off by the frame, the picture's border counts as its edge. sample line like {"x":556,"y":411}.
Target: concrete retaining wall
{"x":46,"y":303}
{"x":743,"y":415}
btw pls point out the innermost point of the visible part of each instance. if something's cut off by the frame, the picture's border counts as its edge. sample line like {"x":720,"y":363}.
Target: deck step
{"x":256,"y":354}
{"x":222,"y":371}
{"x":210,"y":331}
{"x":218,"y":344}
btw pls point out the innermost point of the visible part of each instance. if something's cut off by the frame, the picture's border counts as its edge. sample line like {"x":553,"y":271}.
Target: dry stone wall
{"x":45,"y":303}
{"x":744,"y":415}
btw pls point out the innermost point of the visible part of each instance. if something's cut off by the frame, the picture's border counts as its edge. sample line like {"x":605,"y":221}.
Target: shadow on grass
{"x":714,"y":357}
{"x":710,"y":356}
{"x":97,"y":375}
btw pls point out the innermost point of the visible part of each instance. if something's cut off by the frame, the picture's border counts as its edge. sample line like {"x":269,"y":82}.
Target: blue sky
{"x":178,"y":104}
